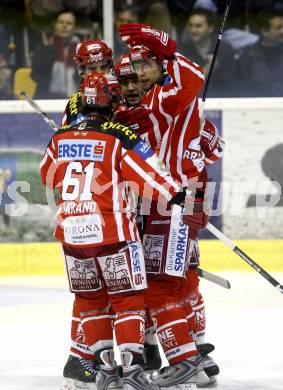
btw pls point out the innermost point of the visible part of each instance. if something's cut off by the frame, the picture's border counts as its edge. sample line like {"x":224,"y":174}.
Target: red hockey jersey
{"x":175,"y":116}
{"x":92,"y":165}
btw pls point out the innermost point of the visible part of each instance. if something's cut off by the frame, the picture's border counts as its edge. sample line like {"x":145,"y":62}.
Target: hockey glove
{"x":179,"y":198}
{"x":155,"y":40}
{"x":135,"y":117}
{"x":211,"y":142}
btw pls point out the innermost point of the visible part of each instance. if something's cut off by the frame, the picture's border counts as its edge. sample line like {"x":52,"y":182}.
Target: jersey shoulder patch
{"x":125,"y":134}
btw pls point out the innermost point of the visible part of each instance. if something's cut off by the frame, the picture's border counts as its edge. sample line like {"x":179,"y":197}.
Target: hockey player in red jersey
{"x":167,"y":100}
{"x":88,"y":164}
{"x":139,"y":118}
{"x":91,"y":55}
{"x":173,"y":101}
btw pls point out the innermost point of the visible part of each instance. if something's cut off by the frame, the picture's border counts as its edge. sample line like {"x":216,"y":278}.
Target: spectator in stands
{"x":40,"y":12}
{"x":158,"y":16}
{"x":180,"y":9}
{"x":198,"y":43}
{"x":53,"y":66}
{"x":5,"y":80}
{"x":261,"y":64}
{"x":123,"y":14}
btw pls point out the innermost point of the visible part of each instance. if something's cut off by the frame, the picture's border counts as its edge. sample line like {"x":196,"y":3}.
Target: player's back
{"x":93,"y":205}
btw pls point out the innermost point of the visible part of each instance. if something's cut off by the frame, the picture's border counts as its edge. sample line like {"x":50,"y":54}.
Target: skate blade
{"x":114,"y":386}
{"x":184,"y":386}
{"x":206,"y":383}
{"x":72,"y":384}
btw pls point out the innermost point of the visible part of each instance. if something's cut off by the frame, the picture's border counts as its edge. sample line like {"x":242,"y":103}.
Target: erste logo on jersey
{"x":90,"y":150}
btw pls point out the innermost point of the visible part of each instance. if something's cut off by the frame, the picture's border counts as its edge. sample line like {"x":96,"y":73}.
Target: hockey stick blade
{"x":214,"y":278}
{"x":217,"y":233}
{"x":43,"y":114}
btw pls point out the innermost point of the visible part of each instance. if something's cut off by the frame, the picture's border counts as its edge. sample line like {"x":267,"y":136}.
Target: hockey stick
{"x":220,"y":35}
{"x":43,"y":114}
{"x":217,"y":233}
{"x":214,"y":278}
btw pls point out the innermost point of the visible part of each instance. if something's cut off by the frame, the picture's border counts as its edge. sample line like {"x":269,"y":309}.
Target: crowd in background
{"x":42,"y":35}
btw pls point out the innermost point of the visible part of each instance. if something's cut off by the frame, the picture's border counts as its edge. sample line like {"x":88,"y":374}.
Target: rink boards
{"x":248,"y":203}
{"x":46,"y":259}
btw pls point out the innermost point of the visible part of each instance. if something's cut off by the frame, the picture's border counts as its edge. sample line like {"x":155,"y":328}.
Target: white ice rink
{"x":245,"y":324}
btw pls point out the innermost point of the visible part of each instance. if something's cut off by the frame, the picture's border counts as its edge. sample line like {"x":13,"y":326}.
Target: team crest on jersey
{"x":90,"y":150}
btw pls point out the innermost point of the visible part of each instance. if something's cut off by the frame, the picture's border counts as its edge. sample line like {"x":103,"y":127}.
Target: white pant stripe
{"x":170,"y":324}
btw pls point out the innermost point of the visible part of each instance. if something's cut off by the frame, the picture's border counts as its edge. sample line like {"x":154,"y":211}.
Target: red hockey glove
{"x":197,"y":218}
{"x":210,"y":140}
{"x":155,"y":40}
{"x":136,"y":117}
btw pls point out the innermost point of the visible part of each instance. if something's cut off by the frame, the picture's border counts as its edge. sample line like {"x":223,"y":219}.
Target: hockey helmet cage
{"x":100,"y":90}
{"x":124,"y":67}
{"x":93,"y":52}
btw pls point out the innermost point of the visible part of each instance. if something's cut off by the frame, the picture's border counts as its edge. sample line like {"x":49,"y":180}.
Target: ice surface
{"x":245,"y":324}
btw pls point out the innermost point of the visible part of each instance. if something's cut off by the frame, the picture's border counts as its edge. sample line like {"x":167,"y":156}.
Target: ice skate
{"x":181,"y":376}
{"x":151,"y":358}
{"x":79,"y":374}
{"x":209,"y":369}
{"x":108,"y":375}
{"x":134,"y":376}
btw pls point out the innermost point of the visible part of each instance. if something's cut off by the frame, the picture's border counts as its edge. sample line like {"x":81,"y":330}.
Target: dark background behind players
{"x":23,"y":23}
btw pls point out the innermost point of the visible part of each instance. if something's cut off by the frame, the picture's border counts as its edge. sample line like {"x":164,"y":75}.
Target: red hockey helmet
{"x":142,"y":53}
{"x":93,"y":52}
{"x":100,"y":90}
{"x":124,"y":67}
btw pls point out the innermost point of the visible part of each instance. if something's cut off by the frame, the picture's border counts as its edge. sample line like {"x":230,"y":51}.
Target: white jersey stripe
{"x":43,"y":161}
{"x":194,"y":70}
{"x":181,"y":143}
{"x":155,"y":127}
{"x":115,"y":196}
{"x":177,"y":74}
{"x":50,"y":154}
{"x":154,"y":162}
{"x":148,"y":178}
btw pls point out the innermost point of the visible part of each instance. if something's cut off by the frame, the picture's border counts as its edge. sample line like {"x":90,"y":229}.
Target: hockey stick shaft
{"x":43,"y":114}
{"x":213,"y":278}
{"x":220,"y":35}
{"x":217,"y":233}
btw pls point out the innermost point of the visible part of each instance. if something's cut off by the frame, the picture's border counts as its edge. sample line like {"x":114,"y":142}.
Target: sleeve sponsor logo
{"x":73,"y":103}
{"x":87,"y":150}
{"x":118,"y":126}
{"x":143,"y":150}
{"x":79,"y":118}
